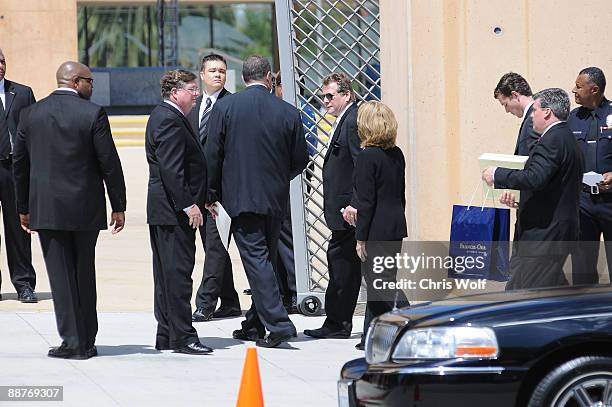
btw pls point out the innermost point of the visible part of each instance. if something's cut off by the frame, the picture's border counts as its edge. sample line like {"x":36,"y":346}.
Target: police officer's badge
{"x":609,"y":120}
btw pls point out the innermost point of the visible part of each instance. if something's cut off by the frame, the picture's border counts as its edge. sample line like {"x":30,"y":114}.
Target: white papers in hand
{"x":224,"y":224}
{"x":591,"y":178}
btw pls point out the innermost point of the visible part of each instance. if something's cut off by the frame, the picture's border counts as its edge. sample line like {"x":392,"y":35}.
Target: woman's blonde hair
{"x":376,"y":125}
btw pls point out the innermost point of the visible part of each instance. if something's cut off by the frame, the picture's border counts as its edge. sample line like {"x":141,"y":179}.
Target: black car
{"x":522,"y":348}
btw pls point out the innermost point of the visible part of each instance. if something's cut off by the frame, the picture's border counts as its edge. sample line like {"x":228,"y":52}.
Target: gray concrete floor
{"x":129,"y":371}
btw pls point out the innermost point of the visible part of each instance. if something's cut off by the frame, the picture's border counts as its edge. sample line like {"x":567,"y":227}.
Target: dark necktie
{"x":591,"y":159}
{"x":5,"y":142}
{"x":204,"y":120}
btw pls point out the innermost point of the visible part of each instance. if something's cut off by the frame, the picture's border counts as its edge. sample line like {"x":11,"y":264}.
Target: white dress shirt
{"x":2,"y":94}
{"x":213,"y":99}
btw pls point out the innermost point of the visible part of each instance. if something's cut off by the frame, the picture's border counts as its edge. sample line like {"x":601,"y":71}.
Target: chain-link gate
{"x":318,"y":37}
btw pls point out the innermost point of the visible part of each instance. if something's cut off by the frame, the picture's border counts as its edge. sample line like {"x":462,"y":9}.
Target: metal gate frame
{"x":315,"y":38}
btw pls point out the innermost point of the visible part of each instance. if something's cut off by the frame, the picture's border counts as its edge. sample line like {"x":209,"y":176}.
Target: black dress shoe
{"x":327,"y":333}
{"x":360,"y":346}
{"x":224,"y":312}
{"x":27,"y":296}
{"x":63,"y":352}
{"x":195,"y":348}
{"x":272,"y":341}
{"x":244,"y":335}
{"x":201,"y":315}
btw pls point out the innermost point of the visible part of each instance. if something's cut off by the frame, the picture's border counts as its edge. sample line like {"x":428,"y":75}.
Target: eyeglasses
{"x":193,"y":91}
{"x":329,"y":96}
{"x":89,"y":80}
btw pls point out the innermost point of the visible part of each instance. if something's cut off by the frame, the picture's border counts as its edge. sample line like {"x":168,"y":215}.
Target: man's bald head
{"x":69,"y":71}
{"x":76,"y":76}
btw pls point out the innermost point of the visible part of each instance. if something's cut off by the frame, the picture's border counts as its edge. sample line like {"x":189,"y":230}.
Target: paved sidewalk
{"x":130,"y":372}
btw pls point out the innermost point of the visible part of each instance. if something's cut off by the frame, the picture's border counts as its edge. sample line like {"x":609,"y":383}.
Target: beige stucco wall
{"x":36,"y":36}
{"x":440,"y":62}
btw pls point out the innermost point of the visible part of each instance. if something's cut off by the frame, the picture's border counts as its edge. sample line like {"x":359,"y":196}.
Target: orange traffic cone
{"x":250,"y":394}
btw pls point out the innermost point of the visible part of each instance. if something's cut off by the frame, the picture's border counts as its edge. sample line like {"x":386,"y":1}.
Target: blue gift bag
{"x":479,"y":243}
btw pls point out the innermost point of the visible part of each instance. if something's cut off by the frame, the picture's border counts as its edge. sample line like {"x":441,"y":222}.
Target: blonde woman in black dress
{"x":379,"y":197}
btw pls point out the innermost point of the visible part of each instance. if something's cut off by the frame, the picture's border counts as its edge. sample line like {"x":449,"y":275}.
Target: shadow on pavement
{"x":106,"y":350}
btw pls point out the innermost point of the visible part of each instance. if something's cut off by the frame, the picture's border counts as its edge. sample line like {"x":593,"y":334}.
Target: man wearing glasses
{"x":14,"y":97}
{"x":63,"y":156}
{"x":342,"y":260}
{"x":217,"y":277}
{"x":175,"y":196}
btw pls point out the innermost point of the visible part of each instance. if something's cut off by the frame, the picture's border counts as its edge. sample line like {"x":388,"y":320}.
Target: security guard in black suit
{"x":14,"y":98}
{"x":591,"y":123}
{"x":217,"y":276}
{"x":255,"y":146}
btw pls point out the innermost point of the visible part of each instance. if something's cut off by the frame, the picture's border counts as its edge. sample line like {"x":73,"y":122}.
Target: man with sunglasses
{"x":63,"y":157}
{"x":342,"y":260}
{"x":14,"y":97}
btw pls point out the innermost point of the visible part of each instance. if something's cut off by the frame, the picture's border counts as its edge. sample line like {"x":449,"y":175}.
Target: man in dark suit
{"x":255,"y":147}
{"x":550,"y":186}
{"x":13,"y":99}
{"x":176,"y":182}
{"x":217,"y":277}
{"x":514,"y":94}
{"x":342,"y":260}
{"x":63,"y":157}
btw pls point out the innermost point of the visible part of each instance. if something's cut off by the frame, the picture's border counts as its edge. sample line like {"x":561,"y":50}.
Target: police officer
{"x":591,"y":123}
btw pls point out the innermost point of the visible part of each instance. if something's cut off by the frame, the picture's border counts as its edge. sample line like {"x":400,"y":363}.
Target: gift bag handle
{"x":474,"y":194}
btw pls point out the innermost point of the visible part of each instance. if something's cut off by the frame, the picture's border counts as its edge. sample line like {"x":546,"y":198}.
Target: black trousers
{"x":595,"y":219}
{"x":344,"y":280}
{"x":257,"y":239}
{"x":536,"y":272}
{"x":217,"y":277}
{"x":70,"y":261}
{"x":173,"y":260}
{"x":18,"y":242}
{"x":285,"y":266}
{"x":380,"y":298}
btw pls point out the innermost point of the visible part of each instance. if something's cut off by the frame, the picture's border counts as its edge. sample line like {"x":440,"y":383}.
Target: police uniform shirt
{"x":580,"y":122}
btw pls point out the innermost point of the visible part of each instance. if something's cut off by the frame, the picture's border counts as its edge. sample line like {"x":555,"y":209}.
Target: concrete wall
{"x":36,"y":37}
{"x":440,"y":63}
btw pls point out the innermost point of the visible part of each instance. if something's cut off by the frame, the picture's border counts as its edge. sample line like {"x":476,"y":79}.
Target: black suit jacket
{"x":338,"y":165}
{"x":17,"y":98}
{"x":527,"y":136}
{"x":379,"y":184}
{"x":193,"y":115}
{"x":255,"y":146}
{"x":550,"y":187}
{"x":63,"y":155}
{"x":176,"y":166}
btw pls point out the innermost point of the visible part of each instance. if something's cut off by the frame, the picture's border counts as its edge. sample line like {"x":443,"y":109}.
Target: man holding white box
{"x":550,"y":187}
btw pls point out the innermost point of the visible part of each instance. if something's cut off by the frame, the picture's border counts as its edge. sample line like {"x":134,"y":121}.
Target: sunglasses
{"x":89,"y":80}
{"x":328,"y":96}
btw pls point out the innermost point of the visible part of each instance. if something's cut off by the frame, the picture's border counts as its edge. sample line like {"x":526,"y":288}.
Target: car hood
{"x":490,"y":309}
